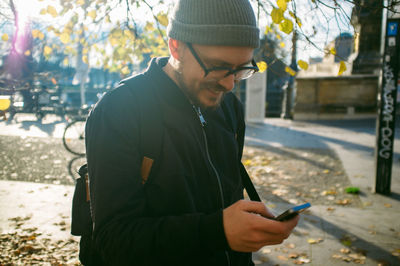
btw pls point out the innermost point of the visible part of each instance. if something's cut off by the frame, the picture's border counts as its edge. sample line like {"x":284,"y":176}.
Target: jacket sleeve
{"x":124,"y":232}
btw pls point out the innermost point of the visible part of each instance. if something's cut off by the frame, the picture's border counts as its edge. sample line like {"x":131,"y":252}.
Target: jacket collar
{"x":165,"y":87}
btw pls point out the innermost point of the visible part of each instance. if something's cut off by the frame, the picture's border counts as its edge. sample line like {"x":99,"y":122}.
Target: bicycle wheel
{"x":74,"y":137}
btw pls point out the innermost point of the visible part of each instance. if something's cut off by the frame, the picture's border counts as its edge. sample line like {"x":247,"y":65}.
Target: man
{"x":187,"y":208}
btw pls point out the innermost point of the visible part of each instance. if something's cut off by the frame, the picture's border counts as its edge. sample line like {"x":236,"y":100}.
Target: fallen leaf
{"x":293,"y":255}
{"x":265,"y":251}
{"x":337,"y":256}
{"x":290,"y":245}
{"x":343,"y":202}
{"x":330,"y":209}
{"x":396,"y":252}
{"x":314,"y":241}
{"x":345,"y":250}
{"x":280,"y":257}
{"x":388,"y":205}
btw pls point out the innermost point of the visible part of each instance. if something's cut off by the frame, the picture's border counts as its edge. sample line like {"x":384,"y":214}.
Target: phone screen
{"x":292,"y":212}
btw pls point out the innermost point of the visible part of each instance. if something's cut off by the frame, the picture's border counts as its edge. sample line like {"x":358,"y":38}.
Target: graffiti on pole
{"x":388,"y":108}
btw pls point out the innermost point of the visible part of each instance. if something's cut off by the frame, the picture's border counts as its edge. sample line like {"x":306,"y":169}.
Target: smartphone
{"x":292,"y":212}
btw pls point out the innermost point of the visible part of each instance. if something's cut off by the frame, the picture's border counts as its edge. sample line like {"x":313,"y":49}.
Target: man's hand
{"x":247,"y":227}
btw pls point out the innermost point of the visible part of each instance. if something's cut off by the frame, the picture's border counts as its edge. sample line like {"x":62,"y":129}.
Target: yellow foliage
{"x":47,"y":50}
{"x":66,"y":61}
{"x":333,"y":51}
{"x":107,"y":19}
{"x":302,"y":64}
{"x":163,"y":19}
{"x":282,"y":44}
{"x":52,"y":11}
{"x":85,"y":59}
{"x":43,"y":11}
{"x":27,"y":53}
{"x":92,"y":14}
{"x":114,"y":41}
{"x":281,"y":4}
{"x":286,"y":26}
{"x":290,"y":71}
{"x":4,"y":37}
{"x":268,"y":29}
{"x":277,"y":15}
{"x":278,"y":37}
{"x":35,"y":33}
{"x":262,"y":66}
{"x":125,"y":70}
{"x":80,"y":2}
{"x":65,"y":38}
{"x":342,"y":68}
{"x":41,"y":35}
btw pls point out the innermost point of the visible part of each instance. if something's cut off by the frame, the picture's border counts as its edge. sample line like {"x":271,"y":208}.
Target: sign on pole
{"x":387,"y":108}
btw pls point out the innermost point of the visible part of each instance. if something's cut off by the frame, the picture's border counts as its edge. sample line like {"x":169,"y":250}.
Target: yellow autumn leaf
{"x":302,"y":64}
{"x":247,"y":163}
{"x":286,"y":26}
{"x":107,"y":19}
{"x":282,"y":44}
{"x":113,"y":41}
{"x":125,"y":70}
{"x":52,"y":11}
{"x":290,"y":71}
{"x":40,"y":35}
{"x":278,"y":37}
{"x":342,"y":68}
{"x":262,"y":66}
{"x":35,"y":33}
{"x":277,"y":15}
{"x":27,"y":53}
{"x":65,"y":38}
{"x":332,"y":51}
{"x":281,"y":4}
{"x":268,"y":29}
{"x":80,"y":2}
{"x":47,"y":50}
{"x":163,"y":19}
{"x":85,"y":59}
{"x":43,"y":11}
{"x":66,"y":61}
{"x":92,"y":14}
{"x":4,"y":37}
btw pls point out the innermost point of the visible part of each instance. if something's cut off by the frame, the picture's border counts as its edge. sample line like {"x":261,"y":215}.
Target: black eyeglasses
{"x":220,"y":72}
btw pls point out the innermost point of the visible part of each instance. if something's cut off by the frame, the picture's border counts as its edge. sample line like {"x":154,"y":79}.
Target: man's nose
{"x":228,"y":82}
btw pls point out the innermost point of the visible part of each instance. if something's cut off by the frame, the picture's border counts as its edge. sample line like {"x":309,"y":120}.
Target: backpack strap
{"x":151,"y":128}
{"x":232,"y":117}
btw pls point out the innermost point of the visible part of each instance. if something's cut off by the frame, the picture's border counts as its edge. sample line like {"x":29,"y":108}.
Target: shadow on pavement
{"x":272,"y":135}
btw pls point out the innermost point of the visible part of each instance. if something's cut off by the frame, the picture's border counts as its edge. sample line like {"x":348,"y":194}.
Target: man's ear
{"x":174,"y":48}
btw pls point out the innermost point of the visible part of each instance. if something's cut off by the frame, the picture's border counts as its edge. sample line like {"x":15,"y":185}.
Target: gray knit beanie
{"x":214,"y":22}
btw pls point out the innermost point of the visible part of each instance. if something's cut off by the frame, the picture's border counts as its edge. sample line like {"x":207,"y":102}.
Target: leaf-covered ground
{"x":299,"y":175}
{"x":281,"y":175}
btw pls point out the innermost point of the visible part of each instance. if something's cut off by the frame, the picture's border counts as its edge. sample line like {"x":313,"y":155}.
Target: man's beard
{"x":192,"y":94}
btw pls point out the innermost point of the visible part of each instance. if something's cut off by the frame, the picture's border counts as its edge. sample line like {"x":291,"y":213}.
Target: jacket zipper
{"x":203,"y":124}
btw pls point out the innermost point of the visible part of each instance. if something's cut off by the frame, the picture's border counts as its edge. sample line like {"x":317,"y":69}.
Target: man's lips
{"x":214,"y":92}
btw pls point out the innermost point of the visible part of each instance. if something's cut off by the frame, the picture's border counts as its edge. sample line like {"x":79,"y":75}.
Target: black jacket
{"x":175,"y":218}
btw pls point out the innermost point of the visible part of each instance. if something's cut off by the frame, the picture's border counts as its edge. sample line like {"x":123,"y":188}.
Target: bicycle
{"x":74,"y":133}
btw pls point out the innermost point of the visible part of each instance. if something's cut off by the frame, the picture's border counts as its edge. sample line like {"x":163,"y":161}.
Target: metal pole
{"x":387,"y":105}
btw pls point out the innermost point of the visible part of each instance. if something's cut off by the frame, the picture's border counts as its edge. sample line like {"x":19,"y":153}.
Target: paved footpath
{"x":368,"y":235}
